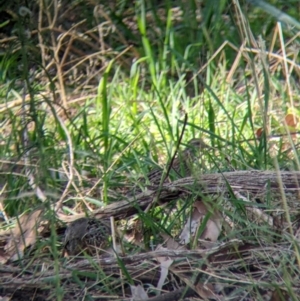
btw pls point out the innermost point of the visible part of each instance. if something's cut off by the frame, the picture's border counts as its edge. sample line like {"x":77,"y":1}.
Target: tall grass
{"x":211,"y":66}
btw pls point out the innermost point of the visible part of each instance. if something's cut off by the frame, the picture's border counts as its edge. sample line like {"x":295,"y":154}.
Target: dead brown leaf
{"x":206,"y":291}
{"x":212,"y":229}
{"x":259,"y":133}
{"x":138,"y":292}
{"x":291,"y":120}
{"x":279,"y":295}
{"x":165,"y":263}
{"x":3,"y":258}
{"x":193,"y":222}
{"x":23,"y":235}
{"x":171,"y":243}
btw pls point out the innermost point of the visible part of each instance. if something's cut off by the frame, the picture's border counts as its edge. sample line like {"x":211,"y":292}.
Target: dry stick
{"x":113,"y":236}
{"x":67,"y":50}
{"x":252,"y":182}
{"x":272,"y":55}
{"x":31,"y":180}
{"x":236,"y":63}
{"x":287,"y":71}
{"x":72,"y":38}
{"x":40,"y":37}
{"x":1,"y":204}
{"x":79,"y":193}
{"x":71,"y":164}
{"x":102,"y":13}
{"x":251,"y":40}
{"x":55,"y":48}
{"x":106,"y":263}
{"x":59,"y":64}
{"x":176,"y":150}
{"x":79,"y":88}
{"x":174,"y":295}
{"x":164,"y":176}
{"x":286,"y":210}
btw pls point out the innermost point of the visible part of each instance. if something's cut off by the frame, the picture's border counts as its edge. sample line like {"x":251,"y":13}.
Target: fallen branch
{"x":255,"y":184}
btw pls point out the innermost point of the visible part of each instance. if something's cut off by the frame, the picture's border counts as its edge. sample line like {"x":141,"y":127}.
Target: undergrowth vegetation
{"x":95,"y":95}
